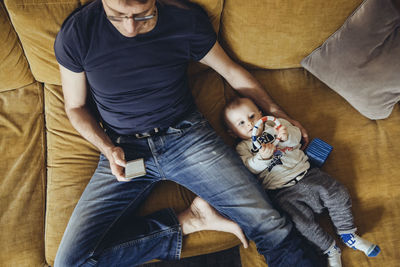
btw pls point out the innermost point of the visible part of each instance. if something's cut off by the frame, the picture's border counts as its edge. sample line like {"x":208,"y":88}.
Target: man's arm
{"x":75,"y":90}
{"x":245,"y":83}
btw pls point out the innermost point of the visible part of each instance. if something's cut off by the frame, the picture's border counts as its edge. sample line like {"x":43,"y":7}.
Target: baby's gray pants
{"x":316,"y":191}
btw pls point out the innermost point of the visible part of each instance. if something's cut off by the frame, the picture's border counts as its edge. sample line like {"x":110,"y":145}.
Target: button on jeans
{"x":104,"y":230}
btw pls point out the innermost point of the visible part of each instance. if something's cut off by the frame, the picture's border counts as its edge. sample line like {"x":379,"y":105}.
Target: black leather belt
{"x":146,"y":134}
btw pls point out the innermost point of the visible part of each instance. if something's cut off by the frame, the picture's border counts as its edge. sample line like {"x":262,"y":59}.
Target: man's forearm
{"x":263,"y":100}
{"x":84,"y":122}
{"x":243,"y":82}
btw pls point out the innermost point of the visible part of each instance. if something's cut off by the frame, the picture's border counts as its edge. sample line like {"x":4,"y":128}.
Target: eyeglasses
{"x":144,"y":18}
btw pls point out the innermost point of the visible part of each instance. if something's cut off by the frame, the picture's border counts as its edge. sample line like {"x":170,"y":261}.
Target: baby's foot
{"x":356,"y":242}
{"x":334,"y":256}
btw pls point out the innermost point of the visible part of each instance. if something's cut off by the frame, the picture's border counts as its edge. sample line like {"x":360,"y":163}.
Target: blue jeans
{"x":104,"y":230}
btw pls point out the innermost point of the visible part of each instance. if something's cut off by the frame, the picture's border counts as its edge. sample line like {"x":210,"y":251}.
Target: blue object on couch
{"x":318,"y":151}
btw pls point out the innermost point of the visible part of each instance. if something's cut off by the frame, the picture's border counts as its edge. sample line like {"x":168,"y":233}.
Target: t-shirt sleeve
{"x":204,"y":36}
{"x":67,"y":47}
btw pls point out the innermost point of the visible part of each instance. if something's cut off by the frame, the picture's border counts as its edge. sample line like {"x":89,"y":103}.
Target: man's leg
{"x":103,"y":230}
{"x":104,"y":219}
{"x":201,"y":216}
{"x":192,"y":155}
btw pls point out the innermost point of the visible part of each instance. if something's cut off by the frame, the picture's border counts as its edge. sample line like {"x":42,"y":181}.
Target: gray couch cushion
{"x":361,"y":60}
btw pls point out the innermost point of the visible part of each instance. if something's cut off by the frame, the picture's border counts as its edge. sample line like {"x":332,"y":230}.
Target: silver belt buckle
{"x":147,"y":134}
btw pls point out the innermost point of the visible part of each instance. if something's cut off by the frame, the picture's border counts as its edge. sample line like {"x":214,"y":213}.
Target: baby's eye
{"x":251,"y":116}
{"x":241,"y":123}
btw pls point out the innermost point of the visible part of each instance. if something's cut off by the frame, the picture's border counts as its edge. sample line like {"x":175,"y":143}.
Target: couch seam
{"x":45,"y":156}
{"x":220,"y":20}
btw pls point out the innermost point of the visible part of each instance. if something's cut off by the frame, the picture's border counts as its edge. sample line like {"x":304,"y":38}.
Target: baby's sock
{"x":334,"y":256}
{"x":356,"y":242}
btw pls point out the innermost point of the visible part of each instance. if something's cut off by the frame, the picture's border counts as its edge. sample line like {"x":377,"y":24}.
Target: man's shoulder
{"x":75,"y":33}
{"x":83,"y":15}
{"x":188,"y":8}
{"x":189,"y":13}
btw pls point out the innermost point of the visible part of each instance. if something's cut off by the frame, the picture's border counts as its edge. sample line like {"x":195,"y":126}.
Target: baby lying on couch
{"x":297,"y":189}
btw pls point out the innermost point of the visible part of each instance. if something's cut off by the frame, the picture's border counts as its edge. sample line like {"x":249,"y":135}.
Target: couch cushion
{"x":37,"y":24}
{"x":365,"y":157}
{"x":72,"y":161}
{"x":14,"y":69}
{"x":279,"y":34}
{"x":249,"y":257}
{"x":22,"y":179}
{"x":361,"y":61}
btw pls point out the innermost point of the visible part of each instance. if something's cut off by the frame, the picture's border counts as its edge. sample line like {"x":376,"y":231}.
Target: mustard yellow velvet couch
{"x":45,"y":164}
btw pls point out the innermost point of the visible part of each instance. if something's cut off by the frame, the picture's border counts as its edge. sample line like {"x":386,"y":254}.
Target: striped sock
{"x":356,"y":242}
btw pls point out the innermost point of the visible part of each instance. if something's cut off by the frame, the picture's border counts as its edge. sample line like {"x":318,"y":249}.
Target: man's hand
{"x":304,"y":134}
{"x":118,"y":163}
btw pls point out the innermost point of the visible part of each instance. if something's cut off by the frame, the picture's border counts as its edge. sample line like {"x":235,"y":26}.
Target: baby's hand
{"x":283,"y":134}
{"x":266,"y":151}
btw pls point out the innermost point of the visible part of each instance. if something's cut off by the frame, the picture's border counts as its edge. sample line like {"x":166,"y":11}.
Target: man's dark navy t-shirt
{"x":137,"y":83}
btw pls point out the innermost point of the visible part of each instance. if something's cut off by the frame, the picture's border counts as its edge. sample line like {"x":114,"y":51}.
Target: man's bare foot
{"x":201,"y":216}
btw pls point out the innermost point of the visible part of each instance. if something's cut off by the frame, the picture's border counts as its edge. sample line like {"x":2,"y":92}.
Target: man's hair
{"x":177,"y":3}
{"x":138,"y":1}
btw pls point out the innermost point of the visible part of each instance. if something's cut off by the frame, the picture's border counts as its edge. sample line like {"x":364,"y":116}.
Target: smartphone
{"x":135,"y":168}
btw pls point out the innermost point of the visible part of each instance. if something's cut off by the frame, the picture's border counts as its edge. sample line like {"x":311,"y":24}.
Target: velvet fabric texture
{"x":22,"y":159}
{"x":273,"y":34}
{"x":22,"y":176}
{"x":13,"y":65}
{"x":361,"y":61}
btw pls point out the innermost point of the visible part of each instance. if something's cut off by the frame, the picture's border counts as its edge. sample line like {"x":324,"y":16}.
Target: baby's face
{"x":242,"y":118}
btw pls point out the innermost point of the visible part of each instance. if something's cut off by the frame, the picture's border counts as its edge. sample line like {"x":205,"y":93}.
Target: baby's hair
{"x":231,"y":103}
